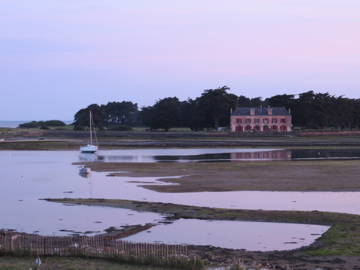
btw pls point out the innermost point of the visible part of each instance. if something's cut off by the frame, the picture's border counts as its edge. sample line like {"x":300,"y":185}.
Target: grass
{"x":59,"y":263}
{"x":176,"y":138}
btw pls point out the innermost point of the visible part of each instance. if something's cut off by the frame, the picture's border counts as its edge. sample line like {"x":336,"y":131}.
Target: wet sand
{"x":243,"y":176}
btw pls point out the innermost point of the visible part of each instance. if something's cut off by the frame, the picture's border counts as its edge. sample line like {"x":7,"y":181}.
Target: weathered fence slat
{"x":91,"y":246}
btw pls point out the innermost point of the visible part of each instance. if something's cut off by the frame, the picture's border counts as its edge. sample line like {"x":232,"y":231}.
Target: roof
{"x":261,"y":111}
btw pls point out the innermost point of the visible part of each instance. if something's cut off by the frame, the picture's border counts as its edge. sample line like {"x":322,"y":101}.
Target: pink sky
{"x":91,"y":51}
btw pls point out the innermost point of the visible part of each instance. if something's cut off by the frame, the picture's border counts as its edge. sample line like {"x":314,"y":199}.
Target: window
{"x":266,"y":121}
{"x":274,"y":121}
{"x":248,"y":121}
{"x":283,"y":120}
{"x":256,"y":121}
{"x":239,"y":121}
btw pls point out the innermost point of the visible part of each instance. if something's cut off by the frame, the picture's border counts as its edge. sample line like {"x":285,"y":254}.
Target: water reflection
{"x":262,"y":155}
{"x":252,"y":236}
{"x":223,"y":155}
{"x":27,"y":176}
{"x":89,"y":157}
{"x":84,"y":172}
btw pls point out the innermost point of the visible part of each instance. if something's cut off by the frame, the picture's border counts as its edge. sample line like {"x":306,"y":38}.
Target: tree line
{"x":212,"y":110}
{"x":43,"y":124}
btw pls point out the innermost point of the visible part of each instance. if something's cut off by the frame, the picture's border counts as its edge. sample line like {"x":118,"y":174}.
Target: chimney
{"x":269,"y":110}
{"x":252,"y":111}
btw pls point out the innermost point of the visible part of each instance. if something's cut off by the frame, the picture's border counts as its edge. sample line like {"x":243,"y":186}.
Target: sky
{"x":57,"y":56}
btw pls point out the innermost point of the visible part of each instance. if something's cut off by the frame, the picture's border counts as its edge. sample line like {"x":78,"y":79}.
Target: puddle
{"x":252,"y":236}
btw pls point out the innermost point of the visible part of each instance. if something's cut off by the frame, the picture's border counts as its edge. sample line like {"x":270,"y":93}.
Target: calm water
{"x":207,"y":155}
{"x":27,"y":176}
{"x":258,"y":236}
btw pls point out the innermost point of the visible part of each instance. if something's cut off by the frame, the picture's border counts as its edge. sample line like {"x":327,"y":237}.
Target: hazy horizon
{"x":58,"y":57}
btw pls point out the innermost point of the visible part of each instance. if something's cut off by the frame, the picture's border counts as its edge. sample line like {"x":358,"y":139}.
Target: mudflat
{"x":241,"y":176}
{"x":338,"y":248}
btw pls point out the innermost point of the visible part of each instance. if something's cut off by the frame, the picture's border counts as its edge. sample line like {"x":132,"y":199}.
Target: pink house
{"x":261,"y":119}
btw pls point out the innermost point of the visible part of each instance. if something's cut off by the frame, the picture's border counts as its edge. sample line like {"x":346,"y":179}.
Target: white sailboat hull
{"x":88,"y":148}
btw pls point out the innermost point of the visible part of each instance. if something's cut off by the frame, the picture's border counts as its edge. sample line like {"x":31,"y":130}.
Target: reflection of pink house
{"x":261,"y":119}
{"x":262,"y":155}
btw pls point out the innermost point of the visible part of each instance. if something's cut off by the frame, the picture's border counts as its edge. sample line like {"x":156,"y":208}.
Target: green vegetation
{"x":29,"y":139}
{"x":43,"y":124}
{"x":68,"y":263}
{"x":39,"y":145}
{"x":114,"y":116}
{"x":212,"y":110}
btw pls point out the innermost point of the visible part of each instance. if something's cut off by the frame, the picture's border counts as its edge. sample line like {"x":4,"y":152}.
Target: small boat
{"x":90,"y":147}
{"x":84,"y":171}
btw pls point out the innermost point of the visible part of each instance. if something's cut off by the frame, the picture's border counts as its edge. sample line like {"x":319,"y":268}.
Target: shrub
{"x":43,"y":124}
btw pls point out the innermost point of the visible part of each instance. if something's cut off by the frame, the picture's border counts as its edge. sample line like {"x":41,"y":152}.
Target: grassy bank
{"x":58,"y":263}
{"x":70,"y":139}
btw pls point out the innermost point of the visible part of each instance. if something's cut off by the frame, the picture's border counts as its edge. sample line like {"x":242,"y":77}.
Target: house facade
{"x":261,"y":119}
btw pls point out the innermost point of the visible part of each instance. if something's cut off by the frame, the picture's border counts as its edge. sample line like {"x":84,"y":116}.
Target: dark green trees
{"x":114,"y":115}
{"x":165,"y":114}
{"x":43,"y":124}
{"x":121,"y":115}
{"x":82,"y":117}
{"x":212,"y":109}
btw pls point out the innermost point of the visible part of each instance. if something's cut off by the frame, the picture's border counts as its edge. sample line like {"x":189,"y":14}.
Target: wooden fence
{"x":89,"y":246}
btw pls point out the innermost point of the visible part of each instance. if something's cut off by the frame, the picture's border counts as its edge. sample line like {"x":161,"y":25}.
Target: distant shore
{"x":20,"y":139}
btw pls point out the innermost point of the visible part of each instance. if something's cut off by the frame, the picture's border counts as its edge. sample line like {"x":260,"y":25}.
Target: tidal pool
{"x":27,"y":176}
{"x":252,"y":236}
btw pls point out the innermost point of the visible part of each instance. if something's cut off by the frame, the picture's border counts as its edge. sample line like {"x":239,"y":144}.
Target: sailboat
{"x":90,"y":148}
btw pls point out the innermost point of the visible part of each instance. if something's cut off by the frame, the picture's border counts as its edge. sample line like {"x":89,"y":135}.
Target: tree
{"x":212,"y":110}
{"x":165,"y":114}
{"x":147,"y":115}
{"x":213,"y":107}
{"x":43,"y":124}
{"x":286,"y":101}
{"x":186,"y":113}
{"x":82,"y":117}
{"x":120,"y":113}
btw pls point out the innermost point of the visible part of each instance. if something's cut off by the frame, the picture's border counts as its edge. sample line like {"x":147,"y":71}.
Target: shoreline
{"x":338,"y":243}
{"x":22,"y":139}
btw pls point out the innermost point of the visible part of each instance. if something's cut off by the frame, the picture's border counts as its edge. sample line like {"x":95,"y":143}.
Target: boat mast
{"x":90,"y":128}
